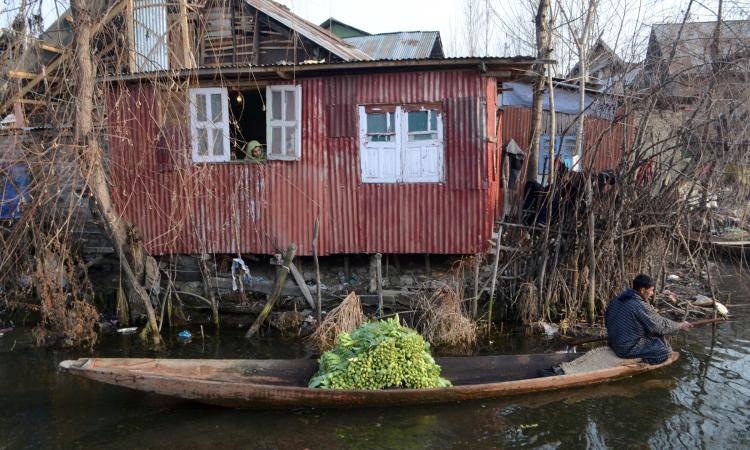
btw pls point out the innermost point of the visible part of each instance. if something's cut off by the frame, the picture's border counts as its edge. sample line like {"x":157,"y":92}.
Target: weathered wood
{"x":494,"y":278}
{"x":21,"y":74}
{"x":188,"y":60}
{"x":379,"y":274}
{"x":475,"y":297}
{"x":283,"y":272}
{"x":318,"y":306}
{"x":255,"y":39}
{"x":283,"y":383}
{"x":300,"y":280}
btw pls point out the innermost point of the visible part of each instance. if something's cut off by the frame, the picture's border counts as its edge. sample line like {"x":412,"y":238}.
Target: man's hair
{"x":642,"y":282}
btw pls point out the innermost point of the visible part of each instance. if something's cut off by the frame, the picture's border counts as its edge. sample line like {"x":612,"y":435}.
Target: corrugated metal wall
{"x":150,"y":35}
{"x":260,"y":208}
{"x":603,"y":140}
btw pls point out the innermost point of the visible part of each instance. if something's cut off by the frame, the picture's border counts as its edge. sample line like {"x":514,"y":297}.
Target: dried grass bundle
{"x":444,"y":321}
{"x":344,"y":318}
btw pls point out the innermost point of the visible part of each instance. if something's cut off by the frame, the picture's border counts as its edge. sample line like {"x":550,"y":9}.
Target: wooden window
{"x":401,"y":144}
{"x":209,"y":121}
{"x":283,"y":122}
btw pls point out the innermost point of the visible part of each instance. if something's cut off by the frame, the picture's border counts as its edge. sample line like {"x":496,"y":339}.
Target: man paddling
{"x":635,"y":329}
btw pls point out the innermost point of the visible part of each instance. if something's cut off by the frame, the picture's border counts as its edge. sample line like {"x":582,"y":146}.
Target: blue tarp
{"x":14,"y":185}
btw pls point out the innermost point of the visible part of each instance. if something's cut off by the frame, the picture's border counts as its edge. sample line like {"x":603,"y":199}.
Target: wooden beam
{"x":188,"y":59}
{"x":255,"y":38}
{"x":49,"y":48}
{"x":130,"y":20}
{"x":28,"y":101}
{"x":21,"y":74}
{"x":302,"y":286}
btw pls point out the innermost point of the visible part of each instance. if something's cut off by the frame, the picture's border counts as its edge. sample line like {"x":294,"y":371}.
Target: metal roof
{"x":273,"y":71}
{"x":400,"y":45}
{"x":693,"y":43}
{"x":309,"y":30}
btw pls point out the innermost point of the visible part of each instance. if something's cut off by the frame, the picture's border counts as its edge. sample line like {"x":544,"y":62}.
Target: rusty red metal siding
{"x":259,"y":208}
{"x":603,"y":139}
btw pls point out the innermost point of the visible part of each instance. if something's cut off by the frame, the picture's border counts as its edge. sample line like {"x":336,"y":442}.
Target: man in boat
{"x":635,"y":329}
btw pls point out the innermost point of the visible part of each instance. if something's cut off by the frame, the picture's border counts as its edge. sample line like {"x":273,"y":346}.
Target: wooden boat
{"x":263,"y":384}
{"x":737,"y":248}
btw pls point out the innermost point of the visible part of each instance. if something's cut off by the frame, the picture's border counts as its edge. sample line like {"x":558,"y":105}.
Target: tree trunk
{"x":544,"y":51}
{"x":90,"y":159}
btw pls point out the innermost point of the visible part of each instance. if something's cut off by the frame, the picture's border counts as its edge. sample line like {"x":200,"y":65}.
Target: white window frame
{"x":283,"y":123}
{"x":209,"y":124}
{"x":561,"y":143}
{"x":391,"y":158}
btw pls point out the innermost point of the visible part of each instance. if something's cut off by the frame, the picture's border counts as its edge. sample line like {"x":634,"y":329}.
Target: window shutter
{"x":380,"y":160}
{"x":422,"y":154}
{"x":283,"y":122}
{"x":209,"y":119}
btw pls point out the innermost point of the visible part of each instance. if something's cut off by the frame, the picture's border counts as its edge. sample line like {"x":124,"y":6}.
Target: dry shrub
{"x":344,"y":318}
{"x":288,"y":322}
{"x":444,"y":321}
{"x":66,"y":315}
{"x":527,"y":303}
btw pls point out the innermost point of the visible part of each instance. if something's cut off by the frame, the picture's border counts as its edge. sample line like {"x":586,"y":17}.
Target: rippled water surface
{"x":702,"y":401}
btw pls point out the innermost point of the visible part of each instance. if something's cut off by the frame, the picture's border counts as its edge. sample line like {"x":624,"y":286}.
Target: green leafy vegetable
{"x":379,"y":355}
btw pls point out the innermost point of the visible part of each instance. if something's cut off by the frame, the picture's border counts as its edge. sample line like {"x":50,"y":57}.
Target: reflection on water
{"x":702,"y":401}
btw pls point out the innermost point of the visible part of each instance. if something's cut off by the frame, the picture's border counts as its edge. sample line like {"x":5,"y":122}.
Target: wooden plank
{"x":302,"y":286}
{"x":49,"y":48}
{"x":21,"y":74}
{"x":28,"y":101}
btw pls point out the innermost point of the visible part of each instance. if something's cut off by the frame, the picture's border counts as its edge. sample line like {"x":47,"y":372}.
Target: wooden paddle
{"x":697,"y":323}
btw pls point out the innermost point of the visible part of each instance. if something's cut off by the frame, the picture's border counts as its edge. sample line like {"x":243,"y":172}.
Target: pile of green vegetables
{"x":379,"y":355}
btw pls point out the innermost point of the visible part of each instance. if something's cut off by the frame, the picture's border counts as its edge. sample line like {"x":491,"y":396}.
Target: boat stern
{"x":73,"y":364}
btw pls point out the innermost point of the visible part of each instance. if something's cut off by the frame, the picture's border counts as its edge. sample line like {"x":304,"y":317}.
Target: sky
{"x":447,"y":16}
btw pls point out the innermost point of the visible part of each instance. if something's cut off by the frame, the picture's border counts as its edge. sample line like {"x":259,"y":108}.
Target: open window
{"x":401,"y":144}
{"x":246,"y":125}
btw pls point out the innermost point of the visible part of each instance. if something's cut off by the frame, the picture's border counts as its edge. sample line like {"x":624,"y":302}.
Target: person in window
{"x":635,"y":329}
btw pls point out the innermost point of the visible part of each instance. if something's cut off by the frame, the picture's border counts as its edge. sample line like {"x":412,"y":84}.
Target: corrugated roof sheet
{"x":309,"y":30}
{"x":401,"y":45}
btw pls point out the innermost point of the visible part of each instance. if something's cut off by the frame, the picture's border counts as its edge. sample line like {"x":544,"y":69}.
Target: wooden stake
{"x":379,"y":278}
{"x":494,"y":278}
{"x":300,"y":280}
{"x":278,"y":287}
{"x":318,"y":306}
{"x":475,"y":299}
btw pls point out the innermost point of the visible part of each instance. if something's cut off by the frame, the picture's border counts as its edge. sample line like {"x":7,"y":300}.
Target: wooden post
{"x":494,"y":278}
{"x":475,"y":298}
{"x":373,"y":274}
{"x":278,"y":288}
{"x":427,"y":267}
{"x":188,"y":62}
{"x":256,"y":33}
{"x":318,"y":306}
{"x":300,"y":280}
{"x":131,"y":35}
{"x":379,"y":278}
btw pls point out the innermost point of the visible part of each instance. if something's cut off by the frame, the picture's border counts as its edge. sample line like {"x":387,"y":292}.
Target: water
{"x":702,"y":401}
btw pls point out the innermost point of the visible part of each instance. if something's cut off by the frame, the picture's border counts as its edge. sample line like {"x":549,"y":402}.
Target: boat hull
{"x":223,"y":383}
